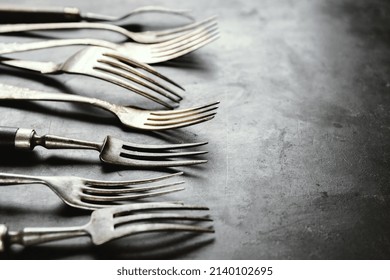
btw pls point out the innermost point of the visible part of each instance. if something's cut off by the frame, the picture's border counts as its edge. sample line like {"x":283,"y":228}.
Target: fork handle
{"x":34,"y":236}
{"x":27,"y":139}
{"x":25,"y":14}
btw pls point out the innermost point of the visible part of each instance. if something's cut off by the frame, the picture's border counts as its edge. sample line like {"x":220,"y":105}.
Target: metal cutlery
{"x":27,"y":14}
{"x":146,"y":53}
{"x":129,"y":116}
{"x":95,"y":194}
{"x":146,"y":37}
{"x":108,"y":224}
{"x":112,"y":150}
{"x":108,"y":65}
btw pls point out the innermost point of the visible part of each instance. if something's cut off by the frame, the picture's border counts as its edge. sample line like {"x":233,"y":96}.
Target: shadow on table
{"x":147,"y":246}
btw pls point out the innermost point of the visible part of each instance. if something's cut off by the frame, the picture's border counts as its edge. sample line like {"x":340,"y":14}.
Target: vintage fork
{"x":108,"y":224}
{"x":146,"y":53}
{"x":26,"y":14}
{"x":129,"y":116}
{"x":112,"y":150}
{"x":95,"y":194}
{"x":146,"y":37}
{"x":107,"y":65}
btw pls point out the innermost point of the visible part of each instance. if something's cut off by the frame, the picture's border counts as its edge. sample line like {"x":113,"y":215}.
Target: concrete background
{"x":298,"y":153}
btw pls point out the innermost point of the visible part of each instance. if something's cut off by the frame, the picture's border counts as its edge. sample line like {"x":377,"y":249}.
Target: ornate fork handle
{"x":34,"y":236}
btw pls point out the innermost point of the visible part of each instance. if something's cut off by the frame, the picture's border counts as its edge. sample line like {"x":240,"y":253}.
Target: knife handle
{"x":12,"y":138}
{"x":26,"y":14}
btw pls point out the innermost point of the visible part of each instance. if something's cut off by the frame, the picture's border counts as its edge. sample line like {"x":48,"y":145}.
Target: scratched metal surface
{"x":299,"y":152}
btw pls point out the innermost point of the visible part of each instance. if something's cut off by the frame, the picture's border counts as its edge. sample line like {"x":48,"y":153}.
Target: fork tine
{"x":120,"y":191}
{"x":157,"y":216}
{"x":99,"y":198}
{"x":178,"y":120}
{"x":154,"y":155}
{"x":155,"y":163}
{"x":179,"y":125}
{"x":125,"y":160}
{"x":185,"y":49}
{"x":163,"y":147}
{"x":183,"y":115}
{"x":135,"y":72}
{"x":184,"y":28}
{"x":151,"y":70}
{"x":186,"y":36}
{"x":176,"y":205}
{"x":185,"y":39}
{"x":155,"y":227}
{"x":181,"y":111}
{"x":103,"y":74}
{"x":129,"y":182}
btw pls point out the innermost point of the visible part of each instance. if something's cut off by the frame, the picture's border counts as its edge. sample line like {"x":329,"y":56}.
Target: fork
{"x":129,"y":116}
{"x":146,"y":37}
{"x":112,"y":150}
{"x":24,"y":14}
{"x":107,"y":65}
{"x":108,"y":224}
{"x":146,"y":53}
{"x":94,"y":194}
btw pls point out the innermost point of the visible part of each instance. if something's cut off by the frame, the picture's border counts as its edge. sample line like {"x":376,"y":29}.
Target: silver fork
{"x":115,"y":222}
{"x":112,"y":150}
{"x":95,"y":194}
{"x":107,"y":65}
{"x":146,"y":37}
{"x":128,"y":116}
{"x":21,"y":13}
{"x":146,"y":53}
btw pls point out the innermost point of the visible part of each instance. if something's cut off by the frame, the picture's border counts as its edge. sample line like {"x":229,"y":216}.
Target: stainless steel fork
{"x":128,"y":116}
{"x":146,"y":53}
{"x":110,"y":66}
{"x":146,"y":37}
{"x":112,"y":150}
{"x":95,"y":194}
{"x":115,"y":222}
{"x":27,"y":14}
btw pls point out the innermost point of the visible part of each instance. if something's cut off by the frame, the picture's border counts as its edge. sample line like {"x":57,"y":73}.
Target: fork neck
{"x":27,"y":139}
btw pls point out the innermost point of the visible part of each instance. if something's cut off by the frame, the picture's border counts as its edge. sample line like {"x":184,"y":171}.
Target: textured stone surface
{"x":299,"y":152}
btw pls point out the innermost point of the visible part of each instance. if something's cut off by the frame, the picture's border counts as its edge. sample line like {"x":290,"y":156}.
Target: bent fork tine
{"x":118,"y":191}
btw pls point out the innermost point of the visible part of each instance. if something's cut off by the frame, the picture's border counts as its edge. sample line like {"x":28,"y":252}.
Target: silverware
{"x":128,"y":116}
{"x":146,"y":37}
{"x":26,"y":14}
{"x":112,"y":150}
{"x":115,"y":222}
{"x":146,"y":53}
{"x":110,"y":66}
{"x":94,"y":194}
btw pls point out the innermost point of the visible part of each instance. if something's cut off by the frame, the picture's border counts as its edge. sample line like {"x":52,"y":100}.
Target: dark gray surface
{"x":299,"y":152}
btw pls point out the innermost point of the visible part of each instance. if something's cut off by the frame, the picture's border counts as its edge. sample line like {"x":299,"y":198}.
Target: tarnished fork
{"x":145,"y":37}
{"x":116,"y":222}
{"x":129,"y":116}
{"x":146,"y":53}
{"x":91,"y":194}
{"x":112,"y":150}
{"x":110,"y":66}
{"x":95,"y":194}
